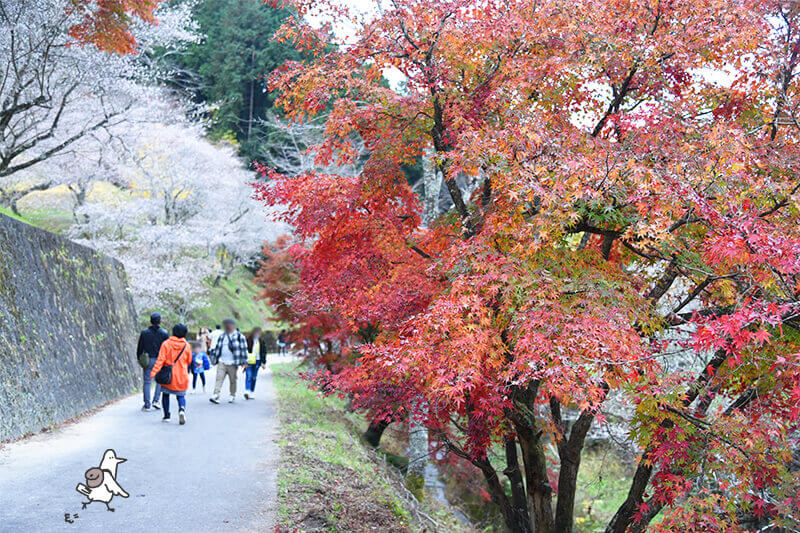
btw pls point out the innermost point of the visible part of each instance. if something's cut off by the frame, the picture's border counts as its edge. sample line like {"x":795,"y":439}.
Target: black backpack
{"x":164,"y":375}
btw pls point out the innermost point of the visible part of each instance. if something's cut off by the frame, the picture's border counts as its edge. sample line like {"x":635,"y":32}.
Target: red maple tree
{"x":106,"y":23}
{"x":633,"y":240}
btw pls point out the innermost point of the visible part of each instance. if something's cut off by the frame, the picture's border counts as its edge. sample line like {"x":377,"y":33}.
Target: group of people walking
{"x":168,"y":360}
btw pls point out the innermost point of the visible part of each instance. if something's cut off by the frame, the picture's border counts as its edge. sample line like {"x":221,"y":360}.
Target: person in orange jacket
{"x":175,"y":351}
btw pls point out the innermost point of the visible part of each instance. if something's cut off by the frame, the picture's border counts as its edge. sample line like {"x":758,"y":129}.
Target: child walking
{"x":200,"y":364}
{"x":175,"y":353}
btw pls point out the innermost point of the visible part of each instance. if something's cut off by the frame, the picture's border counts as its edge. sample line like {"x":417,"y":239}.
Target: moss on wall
{"x":67,"y":330}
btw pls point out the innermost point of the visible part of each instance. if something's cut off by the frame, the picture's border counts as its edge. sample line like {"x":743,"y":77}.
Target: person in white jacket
{"x":214,"y":337}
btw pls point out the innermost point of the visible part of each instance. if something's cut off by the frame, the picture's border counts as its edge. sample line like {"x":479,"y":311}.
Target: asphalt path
{"x":215,"y":473}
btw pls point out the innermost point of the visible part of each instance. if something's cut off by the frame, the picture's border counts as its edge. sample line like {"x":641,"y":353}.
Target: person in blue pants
{"x":256,"y":358}
{"x":176,"y":355}
{"x":150,"y":341}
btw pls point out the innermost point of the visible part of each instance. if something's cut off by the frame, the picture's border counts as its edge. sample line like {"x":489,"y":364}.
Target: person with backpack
{"x":149,"y":346}
{"x":171,"y":371}
{"x":228,"y":353}
{"x":256,"y":358}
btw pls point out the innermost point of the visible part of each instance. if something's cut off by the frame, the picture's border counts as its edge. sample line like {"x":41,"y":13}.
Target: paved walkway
{"x":216,"y":473}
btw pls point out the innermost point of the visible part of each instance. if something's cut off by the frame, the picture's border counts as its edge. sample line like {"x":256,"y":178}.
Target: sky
{"x":366,"y":8}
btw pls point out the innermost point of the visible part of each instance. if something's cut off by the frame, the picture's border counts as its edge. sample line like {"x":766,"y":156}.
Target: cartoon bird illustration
{"x":101,"y":482}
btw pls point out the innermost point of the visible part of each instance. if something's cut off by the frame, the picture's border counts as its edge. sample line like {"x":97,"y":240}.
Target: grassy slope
{"x":328,"y":480}
{"x":234,"y":297}
{"x":603,"y":483}
{"x":52,"y":209}
{"x":50,"y":220}
{"x":9,"y":213}
{"x":53,"y":221}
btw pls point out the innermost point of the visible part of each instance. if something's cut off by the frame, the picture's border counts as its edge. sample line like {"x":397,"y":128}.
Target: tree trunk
{"x":498,"y":494}
{"x":441,"y":146}
{"x":11,"y":199}
{"x":518,"y":518}
{"x":79,"y":192}
{"x":540,"y":493}
{"x":565,"y":504}
{"x":15,"y":206}
{"x":252,"y":97}
{"x":375,"y":431}
{"x":417,"y":453}
{"x":417,"y":446}
{"x":569,"y":453}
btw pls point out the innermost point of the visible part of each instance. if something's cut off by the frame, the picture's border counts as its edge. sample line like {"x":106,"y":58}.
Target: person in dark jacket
{"x":150,"y":341}
{"x":256,"y":358}
{"x":283,"y":343}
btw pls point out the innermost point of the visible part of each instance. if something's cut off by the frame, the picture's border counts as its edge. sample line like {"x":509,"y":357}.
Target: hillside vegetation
{"x":234,"y":297}
{"x":329,"y":480}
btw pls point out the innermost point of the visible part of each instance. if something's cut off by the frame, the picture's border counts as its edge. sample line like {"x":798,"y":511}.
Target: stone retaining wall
{"x":67,"y":330}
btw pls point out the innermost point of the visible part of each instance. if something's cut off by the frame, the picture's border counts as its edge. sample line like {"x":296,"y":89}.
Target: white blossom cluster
{"x":55,"y":90}
{"x":185,"y":215}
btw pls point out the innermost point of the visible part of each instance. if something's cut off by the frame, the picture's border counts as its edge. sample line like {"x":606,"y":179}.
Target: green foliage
{"x":415,"y":483}
{"x":232,"y":64}
{"x":603,"y":481}
{"x":606,"y":215}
